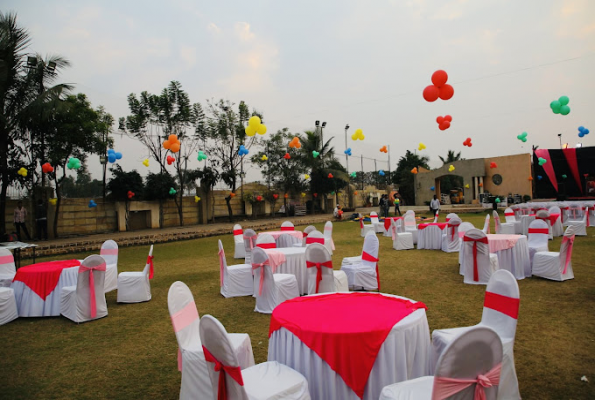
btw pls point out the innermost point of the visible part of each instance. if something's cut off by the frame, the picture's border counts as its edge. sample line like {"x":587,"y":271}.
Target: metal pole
{"x":362,"y":171}
{"x":389,"y":181}
{"x":349,"y":202}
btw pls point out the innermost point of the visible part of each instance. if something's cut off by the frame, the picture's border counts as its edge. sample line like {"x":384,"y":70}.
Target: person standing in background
{"x":20,"y":220}
{"x":397,"y":203}
{"x":381,"y":204}
{"x":41,"y":217}
{"x":435,"y":205}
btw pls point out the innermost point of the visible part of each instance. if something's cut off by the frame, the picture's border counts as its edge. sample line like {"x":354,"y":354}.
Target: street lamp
{"x":560,"y":137}
{"x":347,"y":167}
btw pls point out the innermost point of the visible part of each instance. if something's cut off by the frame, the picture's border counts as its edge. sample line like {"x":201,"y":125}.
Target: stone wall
{"x":515,"y":171}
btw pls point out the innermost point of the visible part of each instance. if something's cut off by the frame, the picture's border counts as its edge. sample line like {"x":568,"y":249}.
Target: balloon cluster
{"x":275,"y":196}
{"x":315,"y":153}
{"x":467,"y":142}
{"x":146,"y":162}
{"x":582,"y":131}
{"x":439,"y":89}
{"x":287,"y":156}
{"x":172,"y":144}
{"x":130,"y":194}
{"x":414,"y":170}
{"x":358,"y":135}
{"x":493,"y":165}
{"x":170,"y":160}
{"x":384,"y":149}
{"x":560,"y":106}
{"x":381,"y":172}
{"x":22,"y":172}
{"x":295,"y":143}
{"x":353,"y":174}
{"x":444,"y":122}
{"x":432,"y":188}
{"x":451,"y":168}
{"x":264,"y":157}
{"x":243,"y":151}
{"x":258,"y":198}
{"x":196,"y":199}
{"x":255,"y":126}
{"x":73,"y":163}
{"x":53,"y":201}
{"x":421,"y":146}
{"x":348,"y":151}
{"x":172,"y":191}
{"x":201,"y":156}
{"x":45,"y":168}
{"x":497,"y":200}
{"x":92,"y":204}
{"x":113,"y":156}
{"x":522,"y":137}
{"x":330,"y":176}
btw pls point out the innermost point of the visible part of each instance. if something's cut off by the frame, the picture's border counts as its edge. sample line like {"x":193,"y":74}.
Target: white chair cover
{"x":511,"y":218}
{"x":400,"y":226}
{"x":76,"y":302}
{"x":196,"y":383}
{"x":249,"y":244}
{"x":450,"y":239}
{"x":464,"y":227}
{"x":411,"y":225}
{"x":401,"y":240}
{"x":234,"y":280}
{"x":135,"y":287}
{"x":580,"y":226}
{"x":486,"y":225}
{"x":553,"y":265}
{"x":557,"y":228}
{"x":269,"y":380}
{"x":318,"y":237}
{"x":378,"y":226}
{"x":8,"y":306}
{"x":544,"y":215}
{"x":287,"y":240}
{"x":500,"y":313}
{"x":328,"y":235}
{"x":471,"y":356}
{"x":272,"y":289}
{"x":266,"y":241}
{"x":7,"y":268}
{"x":364,"y":229}
{"x":516,"y":209}
{"x":478,"y":269}
{"x":309,"y":229}
{"x":320,"y":269}
{"x":537,"y":238}
{"x":506,"y":228}
{"x":287,"y":226}
{"x":574,"y":213}
{"x":525,"y":209}
{"x":450,"y":216}
{"x":365,"y":273}
{"x":590,"y":212}
{"x":109,"y":252}
{"x":436,"y":216}
{"x":238,"y":241}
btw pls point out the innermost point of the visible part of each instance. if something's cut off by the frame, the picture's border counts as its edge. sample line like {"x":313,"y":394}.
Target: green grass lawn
{"x":131,"y":354}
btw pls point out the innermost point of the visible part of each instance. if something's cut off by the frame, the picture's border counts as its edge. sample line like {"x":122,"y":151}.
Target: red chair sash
{"x":267,"y":245}
{"x":509,"y":214}
{"x":234,"y":372}
{"x":504,"y":304}
{"x":238,"y":232}
{"x":369,"y":257}
{"x":445,"y":387}
{"x":475,"y":241}
{"x":92,"y":300}
{"x":452,"y":231}
{"x":150,"y":262}
{"x":570,"y":241}
{"x":311,"y":240}
{"x":310,"y":264}
{"x":256,"y":266}
{"x":361,"y":223}
{"x":288,"y":228}
{"x":539,"y":230}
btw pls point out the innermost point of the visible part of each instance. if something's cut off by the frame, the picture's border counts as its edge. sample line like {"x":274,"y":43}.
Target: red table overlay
{"x":345,"y":330}
{"x":387,"y":222}
{"x":43,"y":277}
{"x":441,"y":225}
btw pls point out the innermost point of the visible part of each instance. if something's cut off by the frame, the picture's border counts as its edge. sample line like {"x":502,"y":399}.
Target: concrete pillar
{"x":481,"y":187}
{"x":475,"y":189}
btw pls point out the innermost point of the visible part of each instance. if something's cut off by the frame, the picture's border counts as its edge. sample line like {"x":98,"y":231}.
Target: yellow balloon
{"x":22,"y":172}
{"x":467,"y":186}
{"x":250,"y":130}
{"x":146,"y":162}
{"x":196,"y":199}
{"x":53,"y":201}
{"x":451,"y":168}
{"x":262,"y":129}
{"x":254,"y":121}
{"x":303,"y":194}
{"x":421,"y":146}
{"x":306,"y":176}
{"x":264,"y":157}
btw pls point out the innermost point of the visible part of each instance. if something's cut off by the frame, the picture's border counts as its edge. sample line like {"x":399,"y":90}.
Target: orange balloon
{"x":232,"y":195}
{"x":167,"y":144}
{"x":175,"y":147}
{"x":173,"y":138}
{"x":384,"y":149}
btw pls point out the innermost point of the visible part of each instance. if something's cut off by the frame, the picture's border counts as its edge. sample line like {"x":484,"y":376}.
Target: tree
{"x":449,"y":183}
{"x":123,"y":182}
{"x":208,"y":179}
{"x":404,"y":177}
{"x":158,"y":187}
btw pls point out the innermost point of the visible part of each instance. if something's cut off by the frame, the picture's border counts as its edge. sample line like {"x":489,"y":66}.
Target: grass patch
{"x":132,"y":352}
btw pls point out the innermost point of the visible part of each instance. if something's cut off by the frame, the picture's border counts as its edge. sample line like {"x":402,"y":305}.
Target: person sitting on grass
{"x":338,"y":213}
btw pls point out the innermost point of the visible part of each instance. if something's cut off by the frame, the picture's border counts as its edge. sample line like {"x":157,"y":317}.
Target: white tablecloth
{"x":405,"y":354}
{"x":295,"y":264}
{"x":430,"y":237}
{"x":30,"y":304}
{"x":276,"y":234}
{"x":516,"y":259}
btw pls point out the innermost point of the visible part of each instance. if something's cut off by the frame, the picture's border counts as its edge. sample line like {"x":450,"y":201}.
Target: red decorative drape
{"x":570,"y":154}
{"x":548,"y":166}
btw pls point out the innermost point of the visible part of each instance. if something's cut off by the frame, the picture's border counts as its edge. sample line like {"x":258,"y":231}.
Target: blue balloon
{"x":432,"y":188}
{"x":581,"y":134}
{"x":119,"y":156}
{"x":111,"y":157}
{"x":348,"y":151}
{"x":539,"y":177}
{"x":243,"y":151}
{"x":92,"y":204}
{"x":381,"y":172}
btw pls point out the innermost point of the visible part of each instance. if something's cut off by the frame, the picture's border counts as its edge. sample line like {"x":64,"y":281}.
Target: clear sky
{"x":360,"y":63}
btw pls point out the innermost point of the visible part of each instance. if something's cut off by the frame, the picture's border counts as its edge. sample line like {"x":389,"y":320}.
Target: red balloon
{"x":439,"y":78}
{"x":431,"y":93}
{"x":448,"y":118}
{"x":446,"y":92}
{"x":440,"y":120}
{"x":444,"y":125}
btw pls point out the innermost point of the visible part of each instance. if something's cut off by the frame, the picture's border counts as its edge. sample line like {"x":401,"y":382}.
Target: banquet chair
{"x":537,"y":238}
{"x":318,"y":237}
{"x":266,"y":241}
{"x":401,"y":227}
{"x":557,"y":228}
{"x":234,"y":280}
{"x":354,"y":259}
{"x":364,"y":229}
{"x":580,"y":226}
{"x":544,"y":215}
{"x":268,"y":380}
{"x":238,"y":241}
{"x":270,"y":289}
{"x":7,"y":268}
{"x":436,"y":216}
{"x":564,"y":212}
{"x":287,"y":240}
{"x":556,"y":266}
{"x":472,"y":357}
{"x":450,"y":216}
{"x":378,"y":226}
{"x":410,"y":212}
{"x":364,"y":274}
{"x":321,"y":277}
{"x":589,"y":209}
{"x":135,"y":287}
{"x":109,"y":252}
{"x":500,"y":313}
{"x":574,"y":213}
{"x":516,"y":209}
{"x":328,"y":234}
{"x":486,"y":225}
{"x":401,"y":240}
{"x":500,"y":228}
{"x":307,"y":231}
{"x":249,"y":243}
{"x":511,"y":218}
{"x":478,"y":263}
{"x":450,"y":239}
{"x":464,"y":227}
{"x":86,"y":302}
{"x":287,"y":226}
{"x":525,"y":209}
{"x":191,"y":360}
{"x":411,"y":226}
{"x":8,"y":305}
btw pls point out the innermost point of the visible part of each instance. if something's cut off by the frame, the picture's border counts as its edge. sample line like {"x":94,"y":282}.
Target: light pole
{"x":560,"y":137}
{"x":347,"y":167}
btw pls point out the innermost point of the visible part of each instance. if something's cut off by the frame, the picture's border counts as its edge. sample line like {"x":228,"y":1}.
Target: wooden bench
{"x":300,"y":210}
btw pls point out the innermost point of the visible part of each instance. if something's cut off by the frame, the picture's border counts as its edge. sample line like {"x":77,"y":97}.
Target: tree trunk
{"x":3,"y":206}
{"x":229,"y":210}
{"x":57,"y":212}
{"x":160,"y":213}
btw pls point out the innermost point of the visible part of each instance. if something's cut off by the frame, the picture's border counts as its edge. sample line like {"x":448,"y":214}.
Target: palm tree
{"x":449,"y":183}
{"x":450,"y":157}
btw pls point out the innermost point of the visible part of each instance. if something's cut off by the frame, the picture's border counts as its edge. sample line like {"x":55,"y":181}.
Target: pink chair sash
{"x":586,"y":209}
{"x":369,"y":257}
{"x":180,"y":320}
{"x":267,"y":245}
{"x":480,"y":240}
{"x":570,"y":241}
{"x":92,"y":300}
{"x":445,"y":387}
{"x":310,"y":264}
{"x":288,"y":228}
{"x":393,"y":231}
{"x":539,"y":230}
{"x":150,"y":262}
{"x":311,"y":240}
{"x":108,"y":252}
{"x":256,"y":266}
{"x":251,"y":239}
{"x":504,"y":304}
{"x":221,"y":266}
{"x":234,"y":372}
{"x":7,"y":259}
{"x":238,"y":232}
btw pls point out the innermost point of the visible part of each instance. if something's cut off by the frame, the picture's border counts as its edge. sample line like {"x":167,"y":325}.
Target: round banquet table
{"x":429,"y":236}
{"x":512,"y":252}
{"x":37,"y":287}
{"x":295,"y":264}
{"x":370,"y":339}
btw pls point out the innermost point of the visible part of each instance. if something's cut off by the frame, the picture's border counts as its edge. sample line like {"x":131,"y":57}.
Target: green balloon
{"x":555,"y":106}
{"x":564,"y":110}
{"x":564,"y":100}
